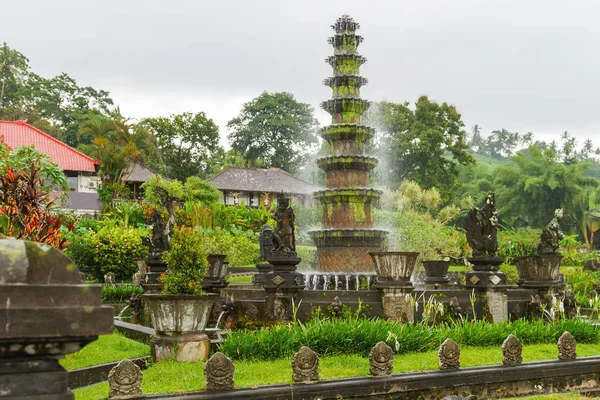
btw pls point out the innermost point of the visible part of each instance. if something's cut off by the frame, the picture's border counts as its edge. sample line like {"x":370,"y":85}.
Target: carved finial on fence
{"x":381,"y":358}
{"x":567,"y":347}
{"x":305,"y":366}
{"x":449,"y":355}
{"x":512,"y":351}
{"x":218,"y":372}
{"x":125,"y":381}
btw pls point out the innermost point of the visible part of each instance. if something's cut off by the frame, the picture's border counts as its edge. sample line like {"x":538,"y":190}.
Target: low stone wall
{"x":97,"y":373}
{"x":511,"y":379}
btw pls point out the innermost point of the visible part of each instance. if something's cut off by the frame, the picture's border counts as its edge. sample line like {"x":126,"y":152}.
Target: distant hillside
{"x":492,"y":162}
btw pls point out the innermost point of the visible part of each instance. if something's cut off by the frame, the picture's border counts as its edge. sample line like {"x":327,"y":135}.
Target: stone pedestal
{"x":485,"y":273}
{"x":45,"y":312}
{"x":156,"y":267}
{"x":281,"y":283}
{"x":394,"y":270}
{"x":189,"y":347}
{"x":490,"y":286}
{"x":179,"y":321}
{"x":396,"y":304}
{"x":497,"y":305}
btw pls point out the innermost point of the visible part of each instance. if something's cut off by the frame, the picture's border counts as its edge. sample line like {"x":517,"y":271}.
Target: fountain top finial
{"x":345,"y":24}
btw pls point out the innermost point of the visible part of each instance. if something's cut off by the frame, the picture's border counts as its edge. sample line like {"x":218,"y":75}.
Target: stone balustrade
{"x":125,"y":379}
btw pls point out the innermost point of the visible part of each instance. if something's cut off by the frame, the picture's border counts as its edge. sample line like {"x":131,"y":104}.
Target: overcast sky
{"x":523,"y":65}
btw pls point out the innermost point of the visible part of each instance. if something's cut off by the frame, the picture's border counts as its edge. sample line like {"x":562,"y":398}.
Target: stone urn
{"x":539,"y":270}
{"x":214,"y":280}
{"x":179,"y":321}
{"x":436,"y":272}
{"x":394,"y":268}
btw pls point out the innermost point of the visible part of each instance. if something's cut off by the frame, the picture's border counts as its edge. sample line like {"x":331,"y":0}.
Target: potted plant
{"x":542,"y":268}
{"x":180,"y":313}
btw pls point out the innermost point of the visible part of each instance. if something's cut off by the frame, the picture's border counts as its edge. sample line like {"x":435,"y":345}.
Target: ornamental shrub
{"x":116,"y":250}
{"x":81,"y":248}
{"x":241,"y":247}
{"x":513,"y":244}
{"x":575,"y":253}
{"x":187,"y":262}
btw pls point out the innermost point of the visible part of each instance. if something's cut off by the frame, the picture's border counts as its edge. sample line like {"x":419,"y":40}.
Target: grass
{"x":106,"y":349}
{"x":174,"y":377}
{"x":237,"y":279}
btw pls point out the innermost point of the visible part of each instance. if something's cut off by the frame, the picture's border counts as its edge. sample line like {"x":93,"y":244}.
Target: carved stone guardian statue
{"x":381,"y":358}
{"x":567,"y":347}
{"x":449,"y":355}
{"x":125,"y":381}
{"x":512,"y":351}
{"x":218,"y":372}
{"x":305,"y":366}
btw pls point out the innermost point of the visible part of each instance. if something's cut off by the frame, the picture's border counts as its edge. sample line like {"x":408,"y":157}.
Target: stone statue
{"x":125,"y":381}
{"x":567,"y":347}
{"x":512,"y":351}
{"x":449,"y":355}
{"x":305,"y":366}
{"x":381,"y":359}
{"x":551,"y":235}
{"x":482,"y":228}
{"x":160,"y":240}
{"x":218,"y":372}
{"x":284,"y":242}
{"x":266,"y":241}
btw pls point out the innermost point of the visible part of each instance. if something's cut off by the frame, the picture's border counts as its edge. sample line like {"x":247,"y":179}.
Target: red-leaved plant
{"x":26,"y":209}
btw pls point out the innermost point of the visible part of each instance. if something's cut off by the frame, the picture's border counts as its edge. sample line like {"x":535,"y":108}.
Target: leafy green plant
{"x":513,"y":244}
{"x":116,"y":249}
{"x":512,"y":275}
{"x":582,"y":282}
{"x":119,"y":293}
{"x":357,"y":336}
{"x":574,"y":252}
{"x":241,"y":246}
{"x":187,"y":262}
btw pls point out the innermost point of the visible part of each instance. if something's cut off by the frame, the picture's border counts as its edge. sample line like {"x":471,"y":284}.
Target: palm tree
{"x":11,"y":63}
{"x":527,"y":139}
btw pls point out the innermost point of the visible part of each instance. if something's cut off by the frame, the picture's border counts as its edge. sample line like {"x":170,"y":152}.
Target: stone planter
{"x":539,"y":270}
{"x":214,"y":280}
{"x":179,"y":321}
{"x":436,"y":272}
{"x":394,"y":268}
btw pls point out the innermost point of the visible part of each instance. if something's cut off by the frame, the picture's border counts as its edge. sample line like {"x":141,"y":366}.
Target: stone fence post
{"x":45,"y":312}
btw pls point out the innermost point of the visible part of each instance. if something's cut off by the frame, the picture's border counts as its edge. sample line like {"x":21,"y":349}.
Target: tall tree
{"x":188,"y":143}
{"x":424,"y":144}
{"x":276,"y":128}
{"x":535,"y":183}
{"x":13,"y":66}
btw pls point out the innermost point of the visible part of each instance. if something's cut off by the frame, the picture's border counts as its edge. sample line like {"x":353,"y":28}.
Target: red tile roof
{"x":20,"y":133}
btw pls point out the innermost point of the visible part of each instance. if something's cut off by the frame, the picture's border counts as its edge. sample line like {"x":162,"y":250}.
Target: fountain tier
{"x":348,"y":201}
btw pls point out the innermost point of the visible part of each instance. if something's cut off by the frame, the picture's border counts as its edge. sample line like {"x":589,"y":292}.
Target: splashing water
{"x":337,"y":281}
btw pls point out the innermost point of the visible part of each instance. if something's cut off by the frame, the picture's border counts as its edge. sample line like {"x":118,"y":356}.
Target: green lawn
{"x":165,"y":377}
{"x":237,"y":279}
{"x":106,"y":349}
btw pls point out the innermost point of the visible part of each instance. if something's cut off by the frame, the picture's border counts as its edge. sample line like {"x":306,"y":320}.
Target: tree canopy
{"x":424,"y":144}
{"x":274,"y":129}
{"x":188,"y":143}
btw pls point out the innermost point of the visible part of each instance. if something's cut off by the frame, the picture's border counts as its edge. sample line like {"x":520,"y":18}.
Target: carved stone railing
{"x":512,"y":378}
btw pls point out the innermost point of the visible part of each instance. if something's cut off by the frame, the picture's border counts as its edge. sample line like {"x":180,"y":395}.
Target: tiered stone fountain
{"x":348,"y":235}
